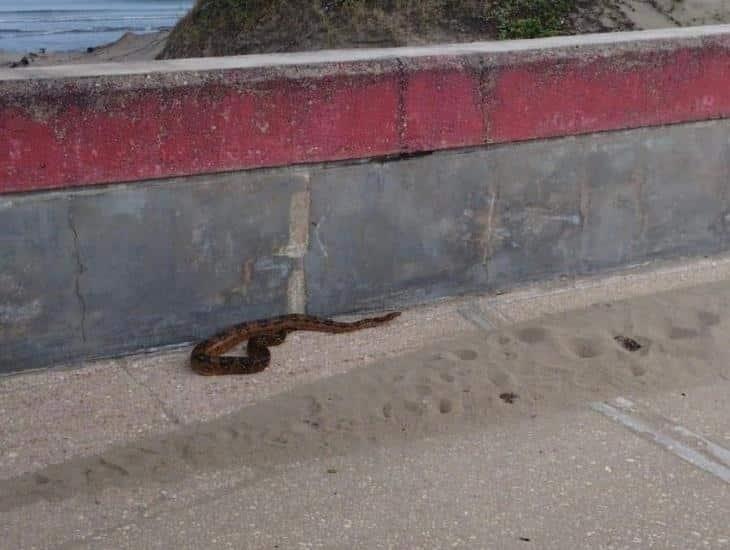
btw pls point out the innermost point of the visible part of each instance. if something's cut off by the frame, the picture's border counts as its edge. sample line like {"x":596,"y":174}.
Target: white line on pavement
{"x":669,"y":443}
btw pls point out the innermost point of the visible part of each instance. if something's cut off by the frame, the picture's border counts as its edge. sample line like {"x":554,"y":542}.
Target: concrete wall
{"x":97,"y":270}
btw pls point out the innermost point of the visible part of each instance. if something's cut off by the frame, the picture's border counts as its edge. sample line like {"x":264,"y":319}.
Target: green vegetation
{"x":228,"y":27}
{"x":532,"y":18}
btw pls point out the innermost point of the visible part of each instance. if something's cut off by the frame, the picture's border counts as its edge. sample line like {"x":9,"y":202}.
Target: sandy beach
{"x":130,"y":47}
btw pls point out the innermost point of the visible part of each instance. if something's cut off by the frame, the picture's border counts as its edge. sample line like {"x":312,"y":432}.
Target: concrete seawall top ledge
{"x":652,"y":38}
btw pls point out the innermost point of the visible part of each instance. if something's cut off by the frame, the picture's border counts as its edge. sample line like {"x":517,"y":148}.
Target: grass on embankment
{"x":230,"y":27}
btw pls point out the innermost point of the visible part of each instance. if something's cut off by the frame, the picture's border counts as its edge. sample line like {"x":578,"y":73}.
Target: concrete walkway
{"x":510,"y":421}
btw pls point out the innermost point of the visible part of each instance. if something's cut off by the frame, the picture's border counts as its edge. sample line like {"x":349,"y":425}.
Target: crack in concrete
{"x":80,"y":270}
{"x":318,"y":237}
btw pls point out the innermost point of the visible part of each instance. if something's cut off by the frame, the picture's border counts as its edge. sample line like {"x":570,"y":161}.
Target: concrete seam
{"x":487,"y":237}
{"x":502,"y":316}
{"x":80,"y":269}
{"x":166,"y":411}
{"x":475,"y":316}
{"x":487,"y":79}
{"x":298,"y":245}
{"x":297,"y":290}
{"x":401,"y":114}
{"x":490,"y":319}
{"x":493,"y":306}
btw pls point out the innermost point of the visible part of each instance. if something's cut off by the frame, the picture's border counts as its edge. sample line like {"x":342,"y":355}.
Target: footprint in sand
{"x":708,"y":319}
{"x":586,"y":348}
{"x":682,"y":333}
{"x":500,"y":377}
{"x":314,"y":407}
{"x":467,"y":354}
{"x":419,"y":409}
{"x":638,"y":370}
{"x":532,"y":335}
{"x":346,"y":424}
{"x":458,"y":355}
{"x":446,"y":377}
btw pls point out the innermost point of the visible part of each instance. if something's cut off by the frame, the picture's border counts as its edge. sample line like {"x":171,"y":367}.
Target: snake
{"x":207,"y":357}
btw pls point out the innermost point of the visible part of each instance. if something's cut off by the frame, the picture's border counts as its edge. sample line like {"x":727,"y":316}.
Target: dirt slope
{"x":230,"y":27}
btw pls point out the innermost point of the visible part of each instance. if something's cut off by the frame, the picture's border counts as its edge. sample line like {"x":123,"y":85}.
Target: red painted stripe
{"x":543,"y":99}
{"x":65,"y":133}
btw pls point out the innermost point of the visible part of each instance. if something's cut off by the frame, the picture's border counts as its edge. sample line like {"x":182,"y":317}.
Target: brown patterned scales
{"x":207,"y":357}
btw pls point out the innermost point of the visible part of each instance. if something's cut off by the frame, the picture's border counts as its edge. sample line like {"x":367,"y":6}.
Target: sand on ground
{"x":662,"y":344}
{"x":130,"y":47}
{"x":106,"y":446}
{"x":652,"y":14}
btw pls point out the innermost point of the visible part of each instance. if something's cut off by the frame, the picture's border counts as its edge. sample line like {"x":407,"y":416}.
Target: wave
{"x":48,"y":12}
{"x":45,"y":13}
{"x":125,"y":28}
{"x":65,"y":24}
{"x":129,"y":20}
{"x":92,"y":18}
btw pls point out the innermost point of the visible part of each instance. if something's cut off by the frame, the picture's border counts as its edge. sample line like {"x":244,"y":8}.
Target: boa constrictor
{"x":207,"y":357}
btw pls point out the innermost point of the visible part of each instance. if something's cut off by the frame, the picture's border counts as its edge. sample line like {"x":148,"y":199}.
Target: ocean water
{"x":64,"y":25}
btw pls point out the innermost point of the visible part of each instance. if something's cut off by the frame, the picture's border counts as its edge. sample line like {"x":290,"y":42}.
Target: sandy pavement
{"x":101,"y":453}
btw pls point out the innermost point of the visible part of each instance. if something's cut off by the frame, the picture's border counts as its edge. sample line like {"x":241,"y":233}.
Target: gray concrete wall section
{"x":102,"y":272}
{"x":397,"y":232}
{"x":111,"y":270}
{"x":39,"y":313}
{"x":456,"y":222}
